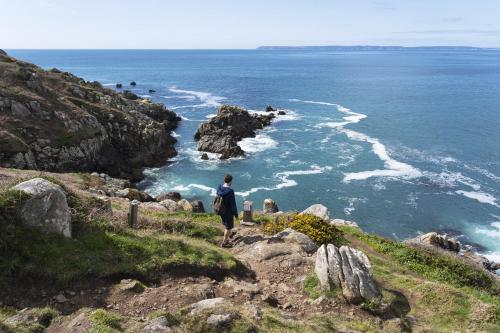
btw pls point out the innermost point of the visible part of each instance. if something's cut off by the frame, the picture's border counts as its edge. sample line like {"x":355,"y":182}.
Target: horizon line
{"x":257,"y":48}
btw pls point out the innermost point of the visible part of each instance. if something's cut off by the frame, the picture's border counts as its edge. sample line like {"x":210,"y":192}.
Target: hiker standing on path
{"x":225,"y":206}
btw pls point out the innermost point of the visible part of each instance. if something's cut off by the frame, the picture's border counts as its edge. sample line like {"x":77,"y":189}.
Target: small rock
{"x":60,"y":298}
{"x":208,"y":304}
{"x":119,"y":85}
{"x":158,"y":325}
{"x":269,"y":108}
{"x":220,"y":319}
{"x":281,"y":113}
{"x":131,"y":285}
{"x":204,"y":156}
{"x":184,"y":205}
{"x":287,"y":306}
{"x":133,"y":83}
{"x":151,"y":91}
{"x":270,"y":299}
{"x":270,"y":206}
{"x":197,"y":206}
{"x":254,"y":311}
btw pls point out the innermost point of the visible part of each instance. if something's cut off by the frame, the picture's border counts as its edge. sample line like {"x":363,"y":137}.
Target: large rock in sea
{"x":231,"y":124}
{"x":318,"y":210}
{"x":46,"y":208}
{"x":55,"y":121}
{"x":348,"y":269}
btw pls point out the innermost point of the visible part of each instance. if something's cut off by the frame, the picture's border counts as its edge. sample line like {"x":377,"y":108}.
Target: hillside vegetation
{"x":112,"y":278}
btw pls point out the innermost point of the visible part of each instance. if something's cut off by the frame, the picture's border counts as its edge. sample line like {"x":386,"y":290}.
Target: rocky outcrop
{"x":55,"y":121}
{"x":270,"y":206}
{"x":46,"y":207}
{"x":348,"y":269}
{"x":221,"y":133}
{"x":318,"y":210}
{"x":434,"y":239}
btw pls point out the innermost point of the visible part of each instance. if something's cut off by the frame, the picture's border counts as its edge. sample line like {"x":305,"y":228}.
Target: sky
{"x":237,"y":24}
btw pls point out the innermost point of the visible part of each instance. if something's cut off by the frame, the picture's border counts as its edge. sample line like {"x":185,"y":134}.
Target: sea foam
{"x":393,"y":168}
{"x":259,"y":143}
{"x":207,"y":99}
{"x":479,"y":196}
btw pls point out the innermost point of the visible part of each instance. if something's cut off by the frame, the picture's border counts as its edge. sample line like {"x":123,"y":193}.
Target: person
{"x":230,"y":210}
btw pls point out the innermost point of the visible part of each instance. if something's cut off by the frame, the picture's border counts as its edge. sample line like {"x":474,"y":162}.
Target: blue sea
{"x":402,"y":142}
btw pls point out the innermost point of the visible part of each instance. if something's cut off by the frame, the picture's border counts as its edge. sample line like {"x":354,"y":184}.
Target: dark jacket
{"x":229,"y":200}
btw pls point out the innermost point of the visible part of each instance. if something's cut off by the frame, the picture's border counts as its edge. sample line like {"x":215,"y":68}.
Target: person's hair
{"x":228,"y":178}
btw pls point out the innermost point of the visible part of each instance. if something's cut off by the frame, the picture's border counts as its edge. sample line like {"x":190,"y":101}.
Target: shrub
{"x":317,"y":229}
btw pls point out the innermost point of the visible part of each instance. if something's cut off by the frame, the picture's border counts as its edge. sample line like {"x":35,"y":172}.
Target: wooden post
{"x":132,"y":214}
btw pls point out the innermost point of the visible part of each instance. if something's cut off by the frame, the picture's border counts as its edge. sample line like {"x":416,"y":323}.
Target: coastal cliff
{"x":53,"y":120}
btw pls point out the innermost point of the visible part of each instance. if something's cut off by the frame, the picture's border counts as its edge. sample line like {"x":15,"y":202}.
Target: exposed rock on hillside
{"x":46,"y":208}
{"x":348,"y":269}
{"x":318,"y":210}
{"x":222,"y":132}
{"x":50,"y":120}
{"x":437,"y":240}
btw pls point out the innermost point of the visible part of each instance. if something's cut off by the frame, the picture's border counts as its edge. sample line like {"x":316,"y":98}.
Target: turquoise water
{"x":401,"y":142}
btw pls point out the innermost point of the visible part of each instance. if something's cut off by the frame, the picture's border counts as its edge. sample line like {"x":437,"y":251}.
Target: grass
{"x":105,"y":322}
{"x":44,"y":317}
{"x":101,"y":249}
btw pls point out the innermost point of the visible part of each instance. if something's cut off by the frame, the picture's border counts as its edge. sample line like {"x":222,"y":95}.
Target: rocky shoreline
{"x":55,"y":121}
{"x":221,"y":133}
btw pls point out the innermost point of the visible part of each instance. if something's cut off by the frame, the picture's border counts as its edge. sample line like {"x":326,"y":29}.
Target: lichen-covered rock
{"x":46,"y":208}
{"x":58,"y":122}
{"x":270,"y":206}
{"x":348,"y":269}
{"x":318,"y":210}
{"x":222,"y":132}
{"x":134,"y":194}
{"x":131,"y":285}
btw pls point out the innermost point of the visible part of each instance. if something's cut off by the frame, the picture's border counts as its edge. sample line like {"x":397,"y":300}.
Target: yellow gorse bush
{"x":320,"y":231}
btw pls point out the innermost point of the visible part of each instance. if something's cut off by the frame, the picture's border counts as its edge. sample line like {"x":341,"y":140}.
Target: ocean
{"x":402,"y":142}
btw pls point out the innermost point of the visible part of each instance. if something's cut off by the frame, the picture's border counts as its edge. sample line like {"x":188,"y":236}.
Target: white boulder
{"x":46,"y":208}
{"x":318,"y":210}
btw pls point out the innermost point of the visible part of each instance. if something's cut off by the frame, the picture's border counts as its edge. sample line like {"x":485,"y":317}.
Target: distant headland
{"x":373,"y":48}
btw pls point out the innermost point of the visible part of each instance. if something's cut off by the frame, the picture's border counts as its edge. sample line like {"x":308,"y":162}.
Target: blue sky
{"x":246,"y":24}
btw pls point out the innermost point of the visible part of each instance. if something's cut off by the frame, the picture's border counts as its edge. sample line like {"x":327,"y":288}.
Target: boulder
{"x":208,"y":304}
{"x":270,"y":206}
{"x":318,"y":210}
{"x":46,"y":208}
{"x":204,"y":157}
{"x":157,"y":325}
{"x":170,"y":205}
{"x":291,"y":236}
{"x":197,"y":206}
{"x":349,"y":270}
{"x":184,"y":205}
{"x":153,"y":205}
{"x":133,"y":83}
{"x":269,"y":108}
{"x":434,"y":239}
{"x":175,"y":196}
{"x":281,"y":113}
